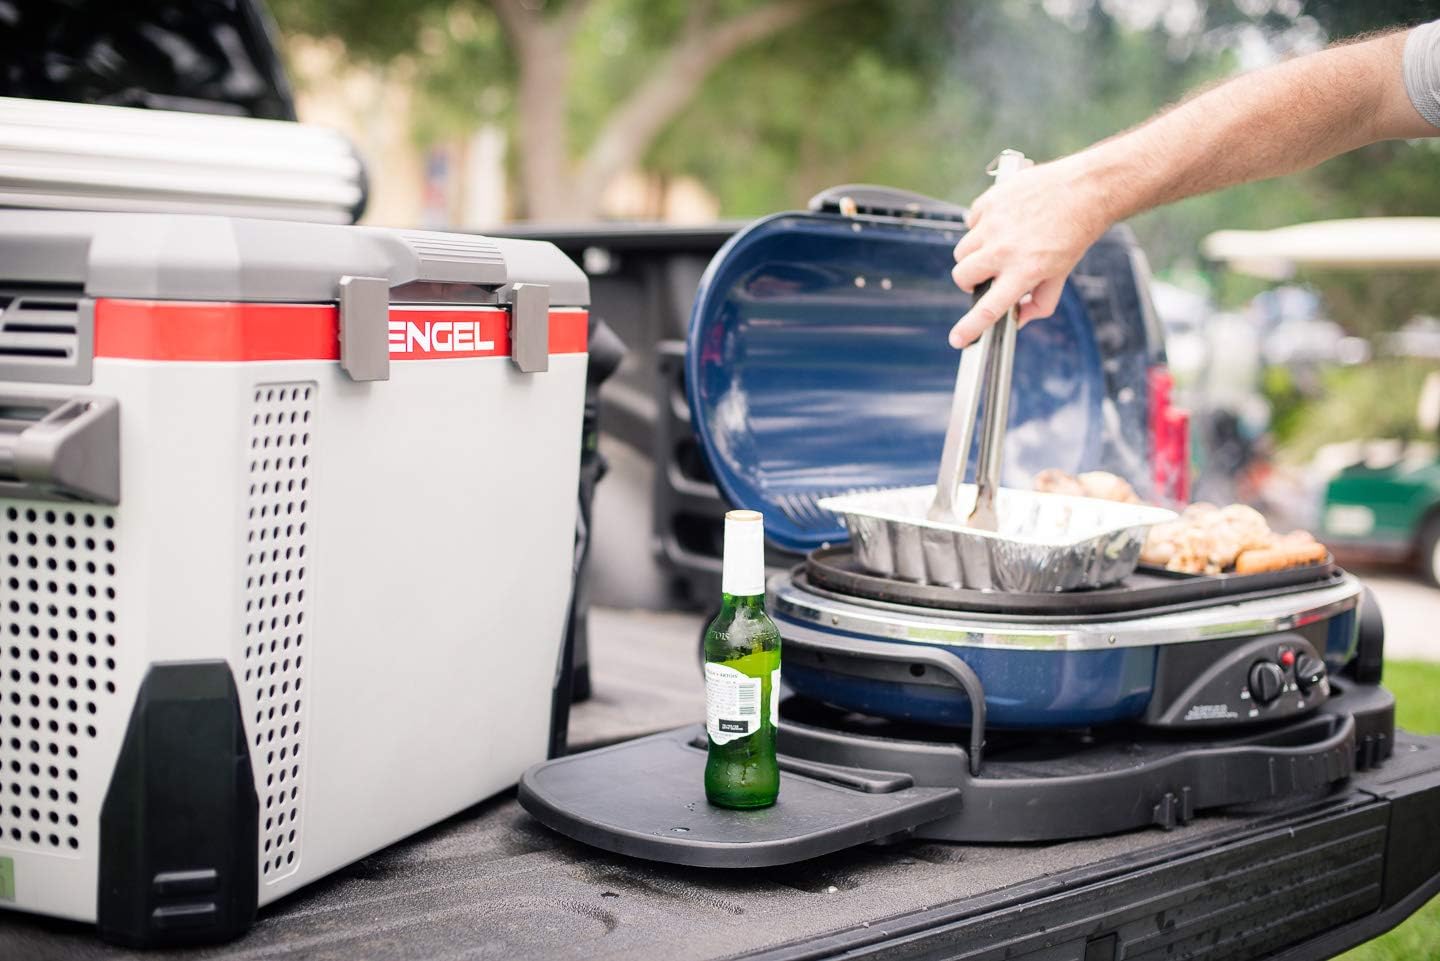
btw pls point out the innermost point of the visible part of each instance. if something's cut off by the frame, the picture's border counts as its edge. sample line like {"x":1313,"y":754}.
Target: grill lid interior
{"x":817,"y":365}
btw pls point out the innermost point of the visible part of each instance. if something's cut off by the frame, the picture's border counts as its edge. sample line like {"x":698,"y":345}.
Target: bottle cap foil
{"x":743,"y":571}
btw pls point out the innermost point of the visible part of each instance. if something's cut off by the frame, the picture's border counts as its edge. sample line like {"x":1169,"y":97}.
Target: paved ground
{"x":645,"y":674}
{"x":1412,"y":613}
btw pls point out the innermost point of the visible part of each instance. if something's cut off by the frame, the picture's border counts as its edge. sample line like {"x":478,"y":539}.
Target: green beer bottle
{"x":742,"y":676}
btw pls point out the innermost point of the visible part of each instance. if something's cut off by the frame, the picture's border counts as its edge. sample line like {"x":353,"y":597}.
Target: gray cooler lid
{"x":195,"y":257}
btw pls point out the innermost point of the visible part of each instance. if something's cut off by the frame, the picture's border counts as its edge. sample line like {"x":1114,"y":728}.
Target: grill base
{"x":1059,"y":785}
{"x":847,"y":780}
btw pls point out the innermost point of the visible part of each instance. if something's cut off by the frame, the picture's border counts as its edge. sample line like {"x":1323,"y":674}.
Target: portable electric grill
{"x":817,"y":367}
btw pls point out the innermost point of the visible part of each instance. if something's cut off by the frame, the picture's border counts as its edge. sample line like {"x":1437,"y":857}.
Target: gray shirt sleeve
{"x":1422,"y":70}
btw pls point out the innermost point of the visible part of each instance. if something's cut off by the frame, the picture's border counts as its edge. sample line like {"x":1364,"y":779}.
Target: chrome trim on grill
{"x":1243,"y":618}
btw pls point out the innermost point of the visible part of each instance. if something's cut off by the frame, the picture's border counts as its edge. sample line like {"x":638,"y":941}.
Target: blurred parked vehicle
{"x":1296,"y":332}
{"x":1183,"y":315}
{"x":1383,"y":499}
{"x":1420,"y":337}
{"x":1387,"y":503}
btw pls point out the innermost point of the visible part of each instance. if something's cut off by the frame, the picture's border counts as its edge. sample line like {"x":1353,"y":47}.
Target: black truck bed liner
{"x":1303,"y":881}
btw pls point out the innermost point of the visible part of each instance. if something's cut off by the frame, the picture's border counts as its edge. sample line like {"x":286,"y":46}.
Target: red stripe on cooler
{"x":569,"y":331}
{"x":205,"y":331}
{"x":189,"y":330}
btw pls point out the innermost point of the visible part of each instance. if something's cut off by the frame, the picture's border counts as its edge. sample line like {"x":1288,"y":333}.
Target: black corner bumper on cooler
{"x":178,"y":829}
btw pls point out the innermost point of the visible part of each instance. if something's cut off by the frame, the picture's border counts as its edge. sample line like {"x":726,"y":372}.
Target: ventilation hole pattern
{"x":276,"y":577}
{"x":57,"y":665}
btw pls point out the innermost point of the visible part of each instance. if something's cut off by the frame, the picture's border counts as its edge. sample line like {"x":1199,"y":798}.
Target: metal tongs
{"x":986,"y":364}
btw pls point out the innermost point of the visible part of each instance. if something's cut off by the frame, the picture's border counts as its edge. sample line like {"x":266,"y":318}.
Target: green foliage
{"x":1414,"y":684}
{"x":1288,"y":404}
{"x":919,"y":102}
{"x":1369,"y":302}
{"x":1417,"y":709}
{"x":622,"y":38}
{"x":1375,"y":400}
{"x":1414,"y":939}
{"x":1345,"y":18}
{"x":790,"y":116}
{"x":371,"y":29}
{"x":463,"y":74}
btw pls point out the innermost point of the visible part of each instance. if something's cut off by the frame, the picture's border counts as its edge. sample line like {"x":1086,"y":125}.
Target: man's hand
{"x":1029,"y":231}
{"x":1026,"y":234}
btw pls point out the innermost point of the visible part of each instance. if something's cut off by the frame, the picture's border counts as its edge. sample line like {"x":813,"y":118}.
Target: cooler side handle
{"x":64,"y":449}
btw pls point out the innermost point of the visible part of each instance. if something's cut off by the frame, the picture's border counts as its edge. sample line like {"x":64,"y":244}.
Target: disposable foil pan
{"x":1045,"y":542}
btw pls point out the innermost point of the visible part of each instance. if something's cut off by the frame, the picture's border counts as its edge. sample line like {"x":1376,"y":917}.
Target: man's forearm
{"x":1266,"y":123}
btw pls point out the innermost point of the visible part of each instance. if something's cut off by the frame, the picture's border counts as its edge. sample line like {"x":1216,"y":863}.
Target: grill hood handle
{"x":835,"y":649}
{"x":872,"y":200}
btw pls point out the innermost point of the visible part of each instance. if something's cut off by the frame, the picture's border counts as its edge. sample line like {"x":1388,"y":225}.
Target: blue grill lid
{"x":817,"y":364}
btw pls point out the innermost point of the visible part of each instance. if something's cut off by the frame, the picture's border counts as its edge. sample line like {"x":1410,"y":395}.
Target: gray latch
{"x":365,"y":327}
{"x":530,"y":327}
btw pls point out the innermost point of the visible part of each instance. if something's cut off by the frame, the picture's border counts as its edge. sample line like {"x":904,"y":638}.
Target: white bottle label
{"x":775,"y":698}
{"x":732,"y":704}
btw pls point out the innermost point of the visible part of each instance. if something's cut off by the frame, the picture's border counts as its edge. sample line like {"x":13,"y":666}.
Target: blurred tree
{"x":684,"y":43}
{"x":543,"y":46}
{"x":371,"y":29}
{"x":922,"y":103}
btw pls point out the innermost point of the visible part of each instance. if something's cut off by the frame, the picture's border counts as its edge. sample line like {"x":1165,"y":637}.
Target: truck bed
{"x":1299,"y":881}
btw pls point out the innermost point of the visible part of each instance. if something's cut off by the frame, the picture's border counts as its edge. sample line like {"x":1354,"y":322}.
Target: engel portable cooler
{"x":286,"y":532}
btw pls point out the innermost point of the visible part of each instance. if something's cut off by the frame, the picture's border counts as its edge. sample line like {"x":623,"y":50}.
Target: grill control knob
{"x":1309,"y":672}
{"x":1266,"y":681}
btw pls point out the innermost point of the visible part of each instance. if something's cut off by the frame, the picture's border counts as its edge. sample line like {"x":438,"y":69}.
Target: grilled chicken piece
{"x":1296,"y":549}
{"x":1108,"y":487}
{"x":1205,"y":539}
{"x":1099,"y":484}
{"x":1052,"y":480}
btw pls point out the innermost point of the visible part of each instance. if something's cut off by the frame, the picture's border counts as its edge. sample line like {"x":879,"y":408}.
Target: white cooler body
{"x":340,"y":587}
